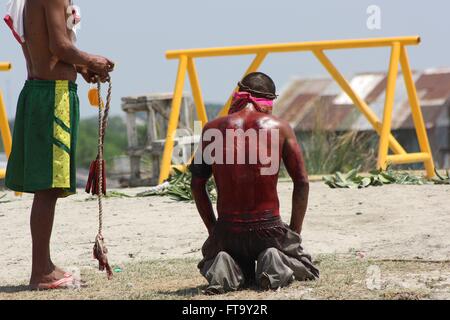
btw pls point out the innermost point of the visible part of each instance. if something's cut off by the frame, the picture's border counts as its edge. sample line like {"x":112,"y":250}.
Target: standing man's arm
{"x":61,"y":45}
{"x":294,"y":163}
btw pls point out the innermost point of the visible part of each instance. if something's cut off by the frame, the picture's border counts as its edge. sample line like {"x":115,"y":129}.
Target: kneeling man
{"x":248,"y":243}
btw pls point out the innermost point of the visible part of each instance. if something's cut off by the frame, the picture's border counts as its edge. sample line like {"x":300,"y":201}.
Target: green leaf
{"x":383,"y":180}
{"x":388,"y":177}
{"x":340,"y":177}
{"x":342,"y":184}
{"x":351,"y":174}
{"x":365,"y":182}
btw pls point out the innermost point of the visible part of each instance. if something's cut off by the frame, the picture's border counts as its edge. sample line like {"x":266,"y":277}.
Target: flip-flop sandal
{"x":58,"y":284}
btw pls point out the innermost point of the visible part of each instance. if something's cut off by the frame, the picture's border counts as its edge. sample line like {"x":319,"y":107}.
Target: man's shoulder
{"x":266,"y":120}
{"x":272,"y":121}
{"x":217,"y":122}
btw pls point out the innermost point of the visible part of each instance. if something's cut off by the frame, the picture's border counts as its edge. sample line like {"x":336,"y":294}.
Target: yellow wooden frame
{"x":4,"y":124}
{"x":399,"y":56}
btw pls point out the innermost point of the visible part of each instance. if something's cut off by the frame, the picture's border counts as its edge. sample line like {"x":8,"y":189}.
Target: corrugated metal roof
{"x":363,"y":85}
{"x":312,"y":103}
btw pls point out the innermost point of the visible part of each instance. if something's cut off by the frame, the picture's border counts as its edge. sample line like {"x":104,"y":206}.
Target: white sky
{"x":137,"y":33}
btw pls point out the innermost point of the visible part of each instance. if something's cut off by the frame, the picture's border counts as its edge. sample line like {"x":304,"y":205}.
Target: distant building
{"x":318,"y":103}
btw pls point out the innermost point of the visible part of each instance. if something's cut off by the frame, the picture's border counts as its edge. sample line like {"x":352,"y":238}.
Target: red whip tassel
{"x":100,"y":252}
{"x":92,"y":181}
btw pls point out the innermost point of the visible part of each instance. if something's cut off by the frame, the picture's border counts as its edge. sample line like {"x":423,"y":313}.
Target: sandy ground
{"x":394,"y":222}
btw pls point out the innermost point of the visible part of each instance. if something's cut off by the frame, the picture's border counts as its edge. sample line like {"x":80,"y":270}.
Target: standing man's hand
{"x":89,"y":76}
{"x":100,"y":65}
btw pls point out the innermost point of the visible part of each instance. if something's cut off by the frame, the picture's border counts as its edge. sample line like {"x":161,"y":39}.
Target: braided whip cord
{"x":102,"y":124}
{"x":100,"y":249}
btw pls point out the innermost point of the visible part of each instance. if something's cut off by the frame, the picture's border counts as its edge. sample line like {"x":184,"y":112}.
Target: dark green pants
{"x":44,"y":138}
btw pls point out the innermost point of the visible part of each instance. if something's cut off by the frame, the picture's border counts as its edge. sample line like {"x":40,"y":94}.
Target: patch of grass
{"x":342,"y":277}
{"x":327,"y":151}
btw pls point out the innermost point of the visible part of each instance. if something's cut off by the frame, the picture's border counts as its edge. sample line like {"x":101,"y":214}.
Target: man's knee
{"x":223,"y":274}
{"x":269,"y":253}
{"x":222,"y":255}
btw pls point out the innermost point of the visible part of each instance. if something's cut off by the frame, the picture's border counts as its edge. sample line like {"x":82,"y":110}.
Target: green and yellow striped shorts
{"x":44,"y":138}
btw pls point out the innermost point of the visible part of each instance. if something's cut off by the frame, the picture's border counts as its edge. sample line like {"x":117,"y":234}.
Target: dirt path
{"x":386,"y":222}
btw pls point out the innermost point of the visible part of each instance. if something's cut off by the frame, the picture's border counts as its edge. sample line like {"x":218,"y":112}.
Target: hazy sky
{"x":137,"y":33}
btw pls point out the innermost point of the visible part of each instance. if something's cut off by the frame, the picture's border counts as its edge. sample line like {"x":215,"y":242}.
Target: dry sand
{"x":394,"y":222}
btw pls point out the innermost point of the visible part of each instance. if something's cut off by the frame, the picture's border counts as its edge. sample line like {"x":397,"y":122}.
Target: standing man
{"x":249,"y":228}
{"x":42,"y":160}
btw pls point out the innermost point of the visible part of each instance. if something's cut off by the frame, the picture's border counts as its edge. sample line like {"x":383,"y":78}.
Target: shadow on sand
{"x":14,"y":289}
{"x":185,"y":292}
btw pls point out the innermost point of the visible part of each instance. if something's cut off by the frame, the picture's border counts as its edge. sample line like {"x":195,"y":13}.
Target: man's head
{"x":258,"y":85}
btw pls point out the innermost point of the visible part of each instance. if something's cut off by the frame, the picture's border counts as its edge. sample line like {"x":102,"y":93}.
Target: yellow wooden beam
{"x":293,"y":47}
{"x":197,"y":92}
{"x":408,"y":158}
{"x":417,"y":116}
{"x":173,"y":119}
{"x":5,"y":130}
{"x":5,"y":66}
{"x":383,"y":149}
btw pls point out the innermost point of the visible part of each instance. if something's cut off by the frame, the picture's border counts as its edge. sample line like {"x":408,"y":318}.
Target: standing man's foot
{"x":55,"y":280}
{"x":60,"y":273}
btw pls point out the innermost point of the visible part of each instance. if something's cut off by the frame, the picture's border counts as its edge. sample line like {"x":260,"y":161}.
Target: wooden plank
{"x":131,"y":130}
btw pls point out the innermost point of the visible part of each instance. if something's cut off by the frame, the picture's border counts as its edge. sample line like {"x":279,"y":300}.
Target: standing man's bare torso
{"x":41,"y":63}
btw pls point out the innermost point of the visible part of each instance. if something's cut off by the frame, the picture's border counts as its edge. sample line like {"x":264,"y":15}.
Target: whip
{"x":96,"y":183}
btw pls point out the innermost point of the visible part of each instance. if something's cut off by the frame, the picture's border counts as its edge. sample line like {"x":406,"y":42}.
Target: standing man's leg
{"x":41,"y":223}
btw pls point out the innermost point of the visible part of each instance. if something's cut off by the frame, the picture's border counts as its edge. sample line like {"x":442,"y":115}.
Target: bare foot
{"x":55,"y":280}
{"x":60,"y":273}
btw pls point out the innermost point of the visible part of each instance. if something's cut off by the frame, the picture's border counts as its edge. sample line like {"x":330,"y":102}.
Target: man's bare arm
{"x":61,"y":45}
{"x":203,"y":202}
{"x":295,"y":166}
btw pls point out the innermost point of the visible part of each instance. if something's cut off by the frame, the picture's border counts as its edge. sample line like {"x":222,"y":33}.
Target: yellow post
{"x":173,"y":120}
{"x":5,"y":131}
{"x":414,"y":102}
{"x":359,"y":103}
{"x":197,"y":92}
{"x":388,"y":106}
{"x":256,"y":63}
